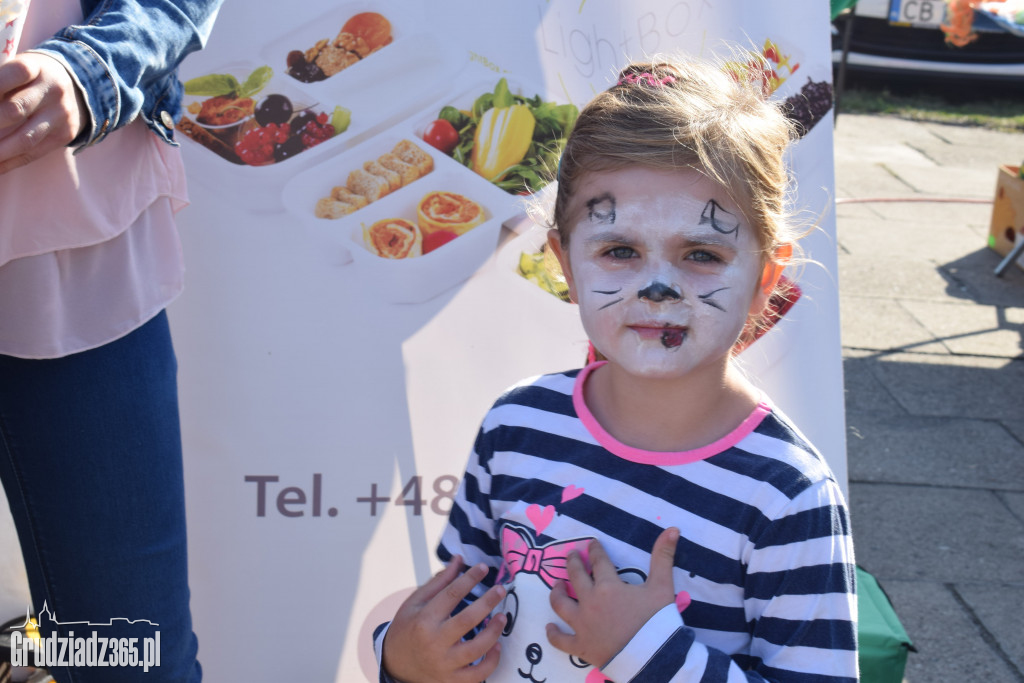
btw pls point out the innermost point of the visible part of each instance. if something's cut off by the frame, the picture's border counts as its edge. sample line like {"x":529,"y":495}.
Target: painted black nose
{"x":657,"y":292}
{"x":534,"y":653}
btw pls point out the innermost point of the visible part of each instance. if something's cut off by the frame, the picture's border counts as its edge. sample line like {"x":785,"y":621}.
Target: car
{"x":903,"y":38}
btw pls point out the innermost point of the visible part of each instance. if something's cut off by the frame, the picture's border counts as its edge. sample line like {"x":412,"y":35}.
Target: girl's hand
{"x":424,"y":641}
{"x":609,"y":611}
{"x":41,"y":109}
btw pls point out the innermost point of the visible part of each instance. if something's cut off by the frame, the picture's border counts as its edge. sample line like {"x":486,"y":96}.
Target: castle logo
{"x":89,"y":648}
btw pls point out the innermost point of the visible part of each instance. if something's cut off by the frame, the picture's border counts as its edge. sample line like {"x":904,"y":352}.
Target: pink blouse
{"x":88,"y":246}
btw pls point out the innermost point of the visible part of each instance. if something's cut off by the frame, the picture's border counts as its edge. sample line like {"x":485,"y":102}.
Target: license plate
{"x":923,"y":13}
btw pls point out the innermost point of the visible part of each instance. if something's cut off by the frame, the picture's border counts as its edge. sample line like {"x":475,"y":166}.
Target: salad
{"x":511,"y":140}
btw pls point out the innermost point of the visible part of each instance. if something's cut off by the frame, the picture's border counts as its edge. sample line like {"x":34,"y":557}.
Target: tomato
{"x":438,"y":238}
{"x":441,"y":134}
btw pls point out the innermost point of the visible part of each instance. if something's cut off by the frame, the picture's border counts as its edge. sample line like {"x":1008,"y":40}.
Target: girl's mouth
{"x":670,"y":336}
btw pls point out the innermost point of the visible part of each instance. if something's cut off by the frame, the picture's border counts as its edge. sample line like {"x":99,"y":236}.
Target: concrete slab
{"x":974,"y":272}
{"x":935,"y":440}
{"x":937,"y":451}
{"x":948,"y":386}
{"x":935,"y":239}
{"x":882,"y":150}
{"x":937,"y":181}
{"x":1015,"y":503}
{"x":1014,"y":427}
{"x":885,"y":325}
{"x":860,"y":129}
{"x":925,"y":213}
{"x":865,"y":394}
{"x":848,"y":210}
{"x":891,"y":276}
{"x":869,"y":180}
{"x":998,"y":609}
{"x":970,"y":146}
{"x":950,"y":646}
{"x":970,"y":328}
{"x":935,"y":534}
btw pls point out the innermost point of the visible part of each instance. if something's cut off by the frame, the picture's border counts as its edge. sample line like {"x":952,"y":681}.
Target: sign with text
{"x":363,"y":282}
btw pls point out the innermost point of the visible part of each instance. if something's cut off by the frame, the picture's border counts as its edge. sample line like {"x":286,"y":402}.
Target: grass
{"x":979,"y":109}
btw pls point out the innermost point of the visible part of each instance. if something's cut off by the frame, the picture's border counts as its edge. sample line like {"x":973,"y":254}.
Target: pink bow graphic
{"x":548,"y":562}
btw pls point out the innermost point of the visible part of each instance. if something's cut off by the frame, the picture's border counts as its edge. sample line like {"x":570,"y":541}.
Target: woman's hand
{"x":424,"y":641}
{"x":41,"y":109}
{"x":609,"y":611}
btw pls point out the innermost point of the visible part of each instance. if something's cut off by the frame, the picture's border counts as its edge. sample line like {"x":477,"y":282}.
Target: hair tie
{"x":646,"y":78}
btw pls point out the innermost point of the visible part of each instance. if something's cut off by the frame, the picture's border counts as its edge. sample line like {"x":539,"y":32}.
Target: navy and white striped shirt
{"x":765,"y":553}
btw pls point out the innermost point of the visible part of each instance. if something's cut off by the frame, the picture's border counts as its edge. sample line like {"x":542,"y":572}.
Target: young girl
{"x":651,"y":517}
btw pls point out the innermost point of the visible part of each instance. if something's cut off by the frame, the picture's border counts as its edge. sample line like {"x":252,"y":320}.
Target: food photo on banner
{"x":363,"y":280}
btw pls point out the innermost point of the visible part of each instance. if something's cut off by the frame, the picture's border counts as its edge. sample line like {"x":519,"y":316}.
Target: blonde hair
{"x":687,"y":114}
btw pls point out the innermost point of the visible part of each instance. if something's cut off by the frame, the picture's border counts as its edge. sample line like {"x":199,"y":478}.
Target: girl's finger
{"x":466,"y":652}
{"x":563,"y":604}
{"x":478,"y":673}
{"x":560,"y":639}
{"x":663,"y":558}
{"x":600,"y":564}
{"x":579,"y":574}
{"x":474,"y":614}
{"x":437,"y":582}
{"x":445,"y":601}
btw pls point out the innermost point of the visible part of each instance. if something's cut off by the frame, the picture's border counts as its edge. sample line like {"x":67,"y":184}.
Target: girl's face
{"x":664,"y":269}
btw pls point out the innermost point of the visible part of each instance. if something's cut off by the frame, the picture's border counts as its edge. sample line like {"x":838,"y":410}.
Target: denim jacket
{"x":124,"y":58}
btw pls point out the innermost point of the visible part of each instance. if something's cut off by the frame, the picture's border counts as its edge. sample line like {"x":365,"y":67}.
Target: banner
{"x":329,"y":395}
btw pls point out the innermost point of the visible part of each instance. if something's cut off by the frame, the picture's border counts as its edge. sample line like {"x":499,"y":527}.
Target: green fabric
{"x":839,"y":5}
{"x":883,"y":643}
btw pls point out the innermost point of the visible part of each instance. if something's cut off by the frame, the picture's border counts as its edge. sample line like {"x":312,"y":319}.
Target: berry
{"x":273,"y":109}
{"x":808,"y":106}
{"x":256,"y":148}
{"x":296,"y":59}
{"x":301,"y":119}
{"x":288,"y":149}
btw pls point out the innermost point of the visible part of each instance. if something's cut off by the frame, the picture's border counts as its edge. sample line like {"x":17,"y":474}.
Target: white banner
{"x":329,"y":396}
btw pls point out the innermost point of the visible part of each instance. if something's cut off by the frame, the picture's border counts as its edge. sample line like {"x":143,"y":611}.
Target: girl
{"x":651,"y":517}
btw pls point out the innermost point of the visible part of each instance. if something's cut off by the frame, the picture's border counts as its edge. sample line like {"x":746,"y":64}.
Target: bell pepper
{"x":502,"y":139}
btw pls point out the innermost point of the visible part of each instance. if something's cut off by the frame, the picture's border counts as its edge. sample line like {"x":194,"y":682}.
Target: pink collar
{"x":663,"y":458}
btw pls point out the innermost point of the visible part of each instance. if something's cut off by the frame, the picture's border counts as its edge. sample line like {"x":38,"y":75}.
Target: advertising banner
{"x":335,"y":363}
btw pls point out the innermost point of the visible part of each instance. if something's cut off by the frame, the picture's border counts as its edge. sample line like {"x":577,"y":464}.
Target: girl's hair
{"x":687,"y":115}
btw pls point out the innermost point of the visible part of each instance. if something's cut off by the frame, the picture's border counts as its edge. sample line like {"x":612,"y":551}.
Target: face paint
{"x":602,"y":209}
{"x":672,"y":338}
{"x":706,"y":298}
{"x":610,"y":303}
{"x":667,"y":287}
{"x":657,"y":292}
{"x":718,"y":218}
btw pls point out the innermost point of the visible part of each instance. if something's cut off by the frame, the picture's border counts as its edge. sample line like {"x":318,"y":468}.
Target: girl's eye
{"x":621,"y":252}
{"x":702,"y":256}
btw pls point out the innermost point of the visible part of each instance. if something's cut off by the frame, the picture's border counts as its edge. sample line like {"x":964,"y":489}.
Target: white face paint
{"x":664,"y":269}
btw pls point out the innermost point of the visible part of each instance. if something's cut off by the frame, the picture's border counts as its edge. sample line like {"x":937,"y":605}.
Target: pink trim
{"x":643,"y":457}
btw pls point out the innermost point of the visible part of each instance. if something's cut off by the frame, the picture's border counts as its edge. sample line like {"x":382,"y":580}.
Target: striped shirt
{"x":764,"y":566}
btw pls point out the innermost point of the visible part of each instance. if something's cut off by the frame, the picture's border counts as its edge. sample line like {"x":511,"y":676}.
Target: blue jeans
{"x":90,"y":458}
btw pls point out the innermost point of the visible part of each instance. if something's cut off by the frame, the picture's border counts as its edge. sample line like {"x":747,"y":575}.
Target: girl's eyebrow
{"x":610,"y":236}
{"x":709,"y":240}
{"x":689,"y":236}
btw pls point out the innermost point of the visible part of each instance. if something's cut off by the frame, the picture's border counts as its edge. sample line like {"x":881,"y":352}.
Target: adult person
{"x":90,"y":448}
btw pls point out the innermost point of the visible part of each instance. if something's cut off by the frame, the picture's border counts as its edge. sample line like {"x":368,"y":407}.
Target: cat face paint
{"x":667,"y":284}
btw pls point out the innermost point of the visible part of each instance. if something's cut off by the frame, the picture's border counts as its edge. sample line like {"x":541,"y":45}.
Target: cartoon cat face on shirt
{"x":529,"y":573}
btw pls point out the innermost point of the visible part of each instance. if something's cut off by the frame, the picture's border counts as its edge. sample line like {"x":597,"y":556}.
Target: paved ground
{"x":933,"y":348}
